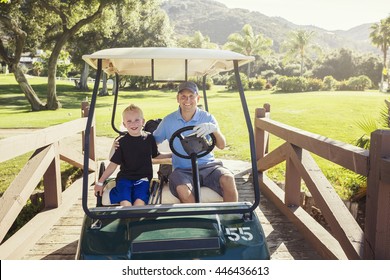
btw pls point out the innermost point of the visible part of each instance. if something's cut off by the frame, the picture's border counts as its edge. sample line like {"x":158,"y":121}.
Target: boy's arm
{"x":107,"y":173}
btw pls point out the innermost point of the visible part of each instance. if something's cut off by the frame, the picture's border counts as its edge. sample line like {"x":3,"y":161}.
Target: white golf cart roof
{"x":166,"y":64}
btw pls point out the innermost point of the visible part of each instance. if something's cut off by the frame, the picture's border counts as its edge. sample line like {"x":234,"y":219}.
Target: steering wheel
{"x":192,"y":144}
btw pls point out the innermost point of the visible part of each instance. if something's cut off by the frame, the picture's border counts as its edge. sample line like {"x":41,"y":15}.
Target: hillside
{"x":217,"y":21}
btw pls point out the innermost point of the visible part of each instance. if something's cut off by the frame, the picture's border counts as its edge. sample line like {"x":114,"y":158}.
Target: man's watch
{"x":99,"y":184}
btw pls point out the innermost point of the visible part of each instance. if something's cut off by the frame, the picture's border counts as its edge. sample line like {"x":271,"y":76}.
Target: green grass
{"x":331,"y":114}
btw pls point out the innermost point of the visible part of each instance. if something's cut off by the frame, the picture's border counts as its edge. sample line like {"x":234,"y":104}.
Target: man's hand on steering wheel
{"x":205,"y":129}
{"x":192,"y":144}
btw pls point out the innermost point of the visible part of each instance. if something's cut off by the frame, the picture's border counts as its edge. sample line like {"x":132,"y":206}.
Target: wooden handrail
{"x":347,"y":240}
{"x":14,"y":146}
{"x":343,"y":154}
{"x":48,"y":149}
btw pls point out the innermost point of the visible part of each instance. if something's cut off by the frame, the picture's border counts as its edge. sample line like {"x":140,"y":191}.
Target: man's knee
{"x":184,"y":194}
{"x":227,"y":181}
{"x":229,"y":189}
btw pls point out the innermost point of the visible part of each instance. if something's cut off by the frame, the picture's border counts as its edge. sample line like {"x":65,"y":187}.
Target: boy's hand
{"x":98,"y":190}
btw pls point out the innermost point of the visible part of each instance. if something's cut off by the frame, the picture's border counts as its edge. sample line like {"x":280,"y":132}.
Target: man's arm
{"x":165,"y":158}
{"x":221,"y":140}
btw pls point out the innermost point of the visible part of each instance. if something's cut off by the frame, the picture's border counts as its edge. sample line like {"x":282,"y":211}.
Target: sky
{"x":326,"y":14}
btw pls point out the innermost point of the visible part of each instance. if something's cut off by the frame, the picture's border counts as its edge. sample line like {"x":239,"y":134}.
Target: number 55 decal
{"x":235,"y":234}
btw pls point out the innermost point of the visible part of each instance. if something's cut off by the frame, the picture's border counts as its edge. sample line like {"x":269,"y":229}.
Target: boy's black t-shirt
{"x":134,"y":156}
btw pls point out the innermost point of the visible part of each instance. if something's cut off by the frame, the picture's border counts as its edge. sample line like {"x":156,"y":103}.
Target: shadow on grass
{"x":68,"y":95}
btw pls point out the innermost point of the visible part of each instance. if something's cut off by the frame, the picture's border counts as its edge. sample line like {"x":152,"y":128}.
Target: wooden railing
{"x":49,"y":148}
{"x":346,"y":240}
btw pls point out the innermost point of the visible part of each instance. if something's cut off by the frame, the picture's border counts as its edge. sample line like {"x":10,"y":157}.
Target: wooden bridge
{"x":291,"y":232}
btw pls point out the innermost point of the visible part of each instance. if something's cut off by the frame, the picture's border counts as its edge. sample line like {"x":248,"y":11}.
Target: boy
{"x":134,"y":155}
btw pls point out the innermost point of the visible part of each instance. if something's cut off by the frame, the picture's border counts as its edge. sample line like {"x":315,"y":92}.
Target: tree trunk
{"x":104,"y":91}
{"x":83,"y":85}
{"x":382,"y":87}
{"x":114,"y":85}
{"x":19,"y":39}
{"x":29,"y":93}
{"x":52,"y":101}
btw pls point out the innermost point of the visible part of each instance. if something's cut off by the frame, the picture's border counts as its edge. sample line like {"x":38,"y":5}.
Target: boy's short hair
{"x":132,"y":108}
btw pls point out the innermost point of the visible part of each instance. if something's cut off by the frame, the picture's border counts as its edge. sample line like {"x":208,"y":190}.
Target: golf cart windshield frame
{"x":158,"y":209}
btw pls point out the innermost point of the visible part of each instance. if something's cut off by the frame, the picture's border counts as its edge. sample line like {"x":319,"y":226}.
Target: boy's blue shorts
{"x":130,"y":190}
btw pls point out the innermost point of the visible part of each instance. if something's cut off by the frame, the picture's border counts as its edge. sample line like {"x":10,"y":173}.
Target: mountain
{"x":217,"y":21}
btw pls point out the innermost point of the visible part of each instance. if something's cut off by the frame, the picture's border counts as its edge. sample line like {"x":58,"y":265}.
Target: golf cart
{"x":165,"y":228}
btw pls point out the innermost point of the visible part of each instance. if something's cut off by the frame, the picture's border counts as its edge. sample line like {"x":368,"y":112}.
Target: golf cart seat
{"x":207,"y":195}
{"x":166,"y":197}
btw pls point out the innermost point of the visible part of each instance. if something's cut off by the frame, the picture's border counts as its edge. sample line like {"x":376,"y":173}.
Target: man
{"x":211,"y":172}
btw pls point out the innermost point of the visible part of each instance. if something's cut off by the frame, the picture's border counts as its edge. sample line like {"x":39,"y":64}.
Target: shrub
{"x":251,"y":82}
{"x":292,"y":84}
{"x":268,"y":85}
{"x":232,"y":85}
{"x":268,"y":74}
{"x":342,"y":85}
{"x":259,"y":83}
{"x":220,"y":79}
{"x":359,"y":83}
{"x":329,"y":83}
{"x":314,"y":84}
{"x":274,"y":79}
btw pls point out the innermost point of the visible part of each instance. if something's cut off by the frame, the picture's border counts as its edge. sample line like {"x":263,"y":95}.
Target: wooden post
{"x":84,"y":114}
{"x":261,"y":136}
{"x":377,"y":221}
{"x":92,"y":136}
{"x":52,"y":181}
{"x":293,"y":180}
{"x":388,"y":112}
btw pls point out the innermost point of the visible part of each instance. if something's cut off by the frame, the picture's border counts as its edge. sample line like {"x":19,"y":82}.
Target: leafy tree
{"x":380,"y":37}
{"x":64,"y":66}
{"x":126,"y":23}
{"x":231,"y":83}
{"x":49,"y":24}
{"x":299,"y":44}
{"x":13,"y":41}
{"x":249,"y":43}
{"x":341,"y":64}
{"x":68,"y":18}
{"x":197,"y":41}
{"x":371,"y":66}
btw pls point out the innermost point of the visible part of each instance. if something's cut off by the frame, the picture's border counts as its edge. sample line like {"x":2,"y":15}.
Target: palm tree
{"x":380,"y":37}
{"x":299,"y":43}
{"x":248,"y":43}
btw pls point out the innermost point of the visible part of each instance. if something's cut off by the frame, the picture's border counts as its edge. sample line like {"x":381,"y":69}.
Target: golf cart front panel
{"x":227,"y":236}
